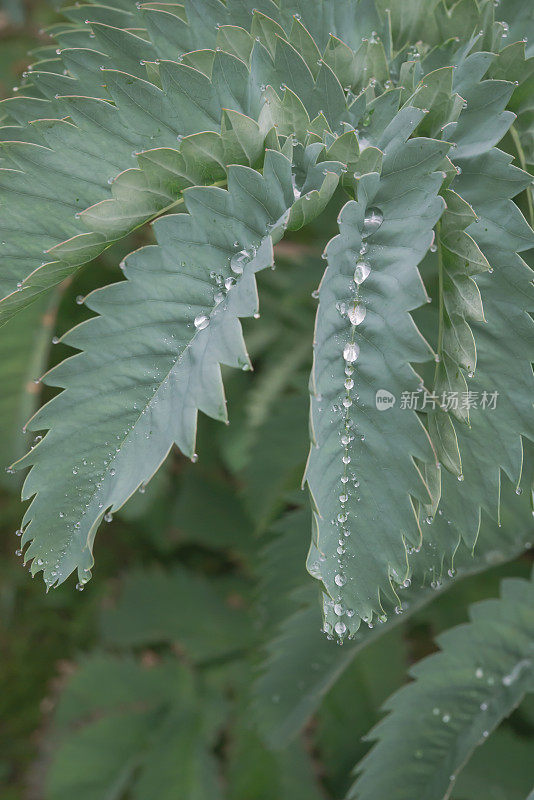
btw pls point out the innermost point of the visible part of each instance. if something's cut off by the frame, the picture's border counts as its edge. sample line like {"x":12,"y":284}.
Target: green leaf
{"x":128,"y":728}
{"x":221,"y":523}
{"x":457,"y":698}
{"x":502,"y":343}
{"x":146,"y":614}
{"x":377,"y":672}
{"x":365,"y":339}
{"x":24,"y":346}
{"x":254,"y":771}
{"x":298,"y":643}
{"x":69,"y":125}
{"x":499,"y":769}
{"x":188,"y":293}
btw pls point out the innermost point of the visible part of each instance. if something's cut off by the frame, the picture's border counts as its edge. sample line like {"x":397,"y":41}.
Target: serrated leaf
{"x":24,"y":349}
{"x":146,"y":614}
{"x":298,"y":642}
{"x":458,"y":697}
{"x":444,"y":438}
{"x":352,"y":437}
{"x":146,"y":736}
{"x":121,"y":444}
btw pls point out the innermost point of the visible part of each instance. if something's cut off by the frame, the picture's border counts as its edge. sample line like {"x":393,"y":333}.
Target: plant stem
{"x":522,"y":160}
{"x":441,"y":304}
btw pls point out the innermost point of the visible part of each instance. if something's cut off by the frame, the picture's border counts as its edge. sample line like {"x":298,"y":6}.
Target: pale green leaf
{"x":457,"y":699}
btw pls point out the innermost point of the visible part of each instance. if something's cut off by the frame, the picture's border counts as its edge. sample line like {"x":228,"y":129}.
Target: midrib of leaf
{"x":361,"y":573}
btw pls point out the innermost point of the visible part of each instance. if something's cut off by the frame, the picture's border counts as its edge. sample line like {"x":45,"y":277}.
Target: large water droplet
{"x":372,"y":221}
{"x":351,"y":352}
{"x":340,"y":580}
{"x":239,"y":261}
{"x":356,"y":313}
{"x":361,"y":272}
{"x":340,"y":628}
{"x":201,"y":322}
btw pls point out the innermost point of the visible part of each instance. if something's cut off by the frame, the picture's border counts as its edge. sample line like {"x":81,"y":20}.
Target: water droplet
{"x":372,"y":221}
{"x":340,"y":580}
{"x":351,"y":352}
{"x":194,"y":458}
{"x":201,"y":322}
{"x":296,"y":191}
{"x":79,"y":587}
{"x":361,"y":272}
{"x":340,"y":628}
{"x":108,"y":517}
{"x":346,"y":459}
{"x":338,"y":610}
{"x":356,"y":313}
{"x":239,"y":261}
{"x":479,"y":673}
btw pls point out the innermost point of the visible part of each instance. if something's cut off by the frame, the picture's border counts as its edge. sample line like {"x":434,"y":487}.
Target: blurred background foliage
{"x":140,"y":687}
